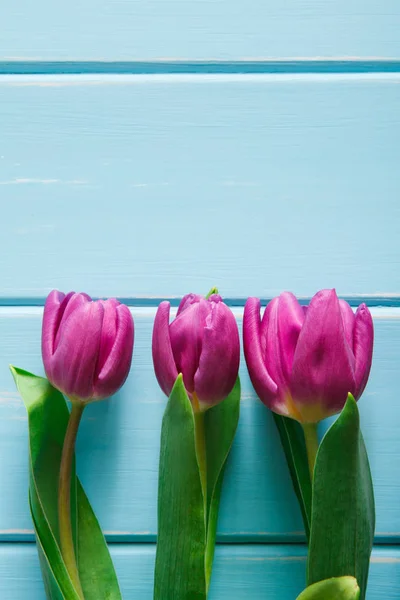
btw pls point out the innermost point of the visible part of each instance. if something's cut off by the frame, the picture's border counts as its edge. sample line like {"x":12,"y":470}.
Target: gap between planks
{"x":137,"y":67}
{"x":26,"y":536}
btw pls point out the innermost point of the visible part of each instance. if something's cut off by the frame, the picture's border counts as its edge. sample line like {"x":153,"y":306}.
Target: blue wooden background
{"x":150,"y":148}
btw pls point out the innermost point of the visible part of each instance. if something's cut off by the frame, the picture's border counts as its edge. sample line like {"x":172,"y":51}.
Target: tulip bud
{"x":202,"y":343}
{"x":303,"y":361}
{"x":335,"y":588}
{"x":86,"y":345}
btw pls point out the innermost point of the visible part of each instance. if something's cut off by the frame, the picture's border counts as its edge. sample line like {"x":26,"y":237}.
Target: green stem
{"x":64,"y":496}
{"x":200,"y":441}
{"x":311,"y":437}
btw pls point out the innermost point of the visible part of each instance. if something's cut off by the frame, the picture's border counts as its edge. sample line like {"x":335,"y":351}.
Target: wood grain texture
{"x":138,"y":186}
{"x":240,"y":572}
{"x":149,"y":29}
{"x":118,"y":444}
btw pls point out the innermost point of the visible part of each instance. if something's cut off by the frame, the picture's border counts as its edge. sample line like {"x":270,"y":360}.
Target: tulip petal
{"x":163,"y":358}
{"x":363,"y":342}
{"x":75,"y":358}
{"x":348,"y":321}
{"x":70,"y":303}
{"x":57,"y":308}
{"x":220,"y":354}
{"x":187,"y":301}
{"x":263,"y":384}
{"x":323,"y":365}
{"x":51,"y":320}
{"x":282,"y":330}
{"x":108,"y":331}
{"x":116,"y":349}
{"x":186,"y":332}
{"x":264,"y":326}
{"x":215,"y":298}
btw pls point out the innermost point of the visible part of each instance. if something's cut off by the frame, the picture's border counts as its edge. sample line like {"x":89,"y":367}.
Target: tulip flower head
{"x":202,"y":343}
{"x":303,"y":361}
{"x":87,"y":345}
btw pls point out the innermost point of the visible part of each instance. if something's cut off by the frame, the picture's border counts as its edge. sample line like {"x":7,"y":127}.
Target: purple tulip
{"x":202,"y":343}
{"x":86,"y":346}
{"x":303,"y":361}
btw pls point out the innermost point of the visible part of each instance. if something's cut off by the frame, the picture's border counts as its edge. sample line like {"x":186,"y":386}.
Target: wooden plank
{"x":240,"y":572}
{"x":138,"y":186}
{"x":149,"y":29}
{"x":118,"y":445}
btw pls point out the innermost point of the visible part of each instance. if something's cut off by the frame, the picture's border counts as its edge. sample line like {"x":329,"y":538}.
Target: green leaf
{"x":181,"y":542}
{"x":343,"y":511}
{"x":50,"y":584}
{"x":96,"y":570}
{"x":221,"y":423}
{"x":48,"y":418}
{"x":47,"y":412}
{"x":293,"y":443}
{"x":339,"y":588}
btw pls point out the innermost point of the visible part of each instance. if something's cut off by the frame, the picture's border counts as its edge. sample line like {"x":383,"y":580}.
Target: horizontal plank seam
{"x":227,"y":541}
{"x":284,"y":66}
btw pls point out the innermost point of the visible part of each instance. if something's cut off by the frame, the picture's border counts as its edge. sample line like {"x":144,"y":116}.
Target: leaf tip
{"x":14,"y":371}
{"x":178,"y":385}
{"x":18,"y":371}
{"x":350,"y":398}
{"x":179,"y":379}
{"x":351,"y":408}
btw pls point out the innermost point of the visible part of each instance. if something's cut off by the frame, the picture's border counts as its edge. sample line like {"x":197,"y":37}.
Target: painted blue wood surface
{"x":240,"y":572}
{"x":118,"y":445}
{"x":227,"y":29}
{"x":116,"y":184}
{"x":148,"y":184}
